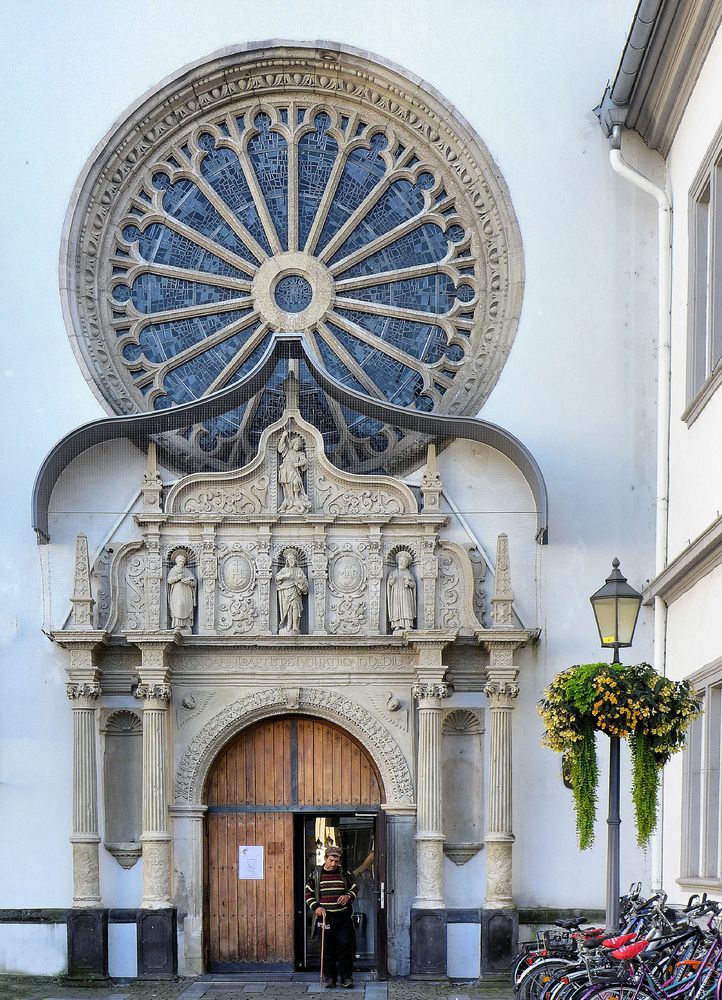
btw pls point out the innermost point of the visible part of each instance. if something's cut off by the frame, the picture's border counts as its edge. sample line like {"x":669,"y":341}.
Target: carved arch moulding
{"x":203,"y":749}
{"x":289,"y":186}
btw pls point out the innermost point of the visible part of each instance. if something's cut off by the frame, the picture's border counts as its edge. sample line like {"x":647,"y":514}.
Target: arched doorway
{"x":277,"y":795}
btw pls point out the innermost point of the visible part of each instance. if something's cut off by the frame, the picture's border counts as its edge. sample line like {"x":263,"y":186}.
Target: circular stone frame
{"x":304,"y":72}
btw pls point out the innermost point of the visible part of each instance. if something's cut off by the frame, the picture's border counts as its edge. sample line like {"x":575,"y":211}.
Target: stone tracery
{"x":252,"y":205}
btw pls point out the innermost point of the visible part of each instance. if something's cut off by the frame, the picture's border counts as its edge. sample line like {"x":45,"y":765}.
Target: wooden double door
{"x":278,"y":795}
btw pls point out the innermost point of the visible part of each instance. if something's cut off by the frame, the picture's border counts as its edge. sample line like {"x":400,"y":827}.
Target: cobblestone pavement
{"x":26,"y":988}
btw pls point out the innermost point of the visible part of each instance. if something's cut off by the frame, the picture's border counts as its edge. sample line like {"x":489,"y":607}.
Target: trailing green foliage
{"x":645,"y":783}
{"x":634,"y":703}
{"x":585,"y":778}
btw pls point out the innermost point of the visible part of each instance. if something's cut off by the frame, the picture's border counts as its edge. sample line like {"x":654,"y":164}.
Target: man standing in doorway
{"x":329,"y":893}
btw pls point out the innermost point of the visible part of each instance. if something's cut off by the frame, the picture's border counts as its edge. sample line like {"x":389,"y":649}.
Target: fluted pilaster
{"x":84,"y":836}
{"x":155,"y":836}
{"x":501,"y":690}
{"x":429,"y":816}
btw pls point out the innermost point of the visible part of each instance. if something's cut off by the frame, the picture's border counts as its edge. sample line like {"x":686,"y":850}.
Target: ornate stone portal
{"x":289,"y":553}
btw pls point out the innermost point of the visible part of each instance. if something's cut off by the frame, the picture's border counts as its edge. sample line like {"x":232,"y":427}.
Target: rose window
{"x":295,"y":215}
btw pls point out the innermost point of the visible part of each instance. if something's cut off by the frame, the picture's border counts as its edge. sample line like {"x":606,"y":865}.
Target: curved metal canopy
{"x":140,"y":428}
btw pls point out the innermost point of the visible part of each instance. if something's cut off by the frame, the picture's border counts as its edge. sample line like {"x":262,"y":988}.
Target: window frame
{"x":701,"y":847}
{"x":704,"y":287}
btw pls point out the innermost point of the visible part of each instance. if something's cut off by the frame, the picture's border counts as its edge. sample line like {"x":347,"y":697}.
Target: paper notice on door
{"x":250,"y":861}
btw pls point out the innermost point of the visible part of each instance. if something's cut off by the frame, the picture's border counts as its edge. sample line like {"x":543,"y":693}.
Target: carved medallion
{"x":238,"y":574}
{"x":347,"y":574}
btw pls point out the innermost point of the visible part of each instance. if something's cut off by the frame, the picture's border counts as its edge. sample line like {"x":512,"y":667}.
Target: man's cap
{"x":334,"y":850}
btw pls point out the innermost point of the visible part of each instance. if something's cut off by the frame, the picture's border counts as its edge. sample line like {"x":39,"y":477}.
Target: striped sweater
{"x":323,"y":889}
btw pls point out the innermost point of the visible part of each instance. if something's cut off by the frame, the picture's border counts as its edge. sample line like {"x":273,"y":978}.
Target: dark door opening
{"x":357,"y":834}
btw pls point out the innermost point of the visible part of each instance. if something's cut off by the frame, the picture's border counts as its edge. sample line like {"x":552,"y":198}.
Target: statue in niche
{"x":291,"y":587}
{"x":401,"y":594}
{"x":181,"y":594}
{"x":290,"y":474}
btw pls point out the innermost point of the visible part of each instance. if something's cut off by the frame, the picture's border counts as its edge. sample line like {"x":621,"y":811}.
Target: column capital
{"x":83,"y":694}
{"x":501,"y":693}
{"x":432,"y":691}
{"x":153,"y":692}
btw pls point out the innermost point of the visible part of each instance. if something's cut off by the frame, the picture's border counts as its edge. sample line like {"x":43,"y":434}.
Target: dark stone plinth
{"x":499,"y":939}
{"x":157,"y":943}
{"x":428,"y":943}
{"x":87,"y":943}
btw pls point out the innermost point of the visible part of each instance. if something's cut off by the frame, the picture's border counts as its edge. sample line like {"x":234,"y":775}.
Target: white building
{"x":672,"y":100}
{"x":353,"y":254}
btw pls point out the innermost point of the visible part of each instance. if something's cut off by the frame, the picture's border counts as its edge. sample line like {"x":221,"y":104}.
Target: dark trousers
{"x":339,"y":946}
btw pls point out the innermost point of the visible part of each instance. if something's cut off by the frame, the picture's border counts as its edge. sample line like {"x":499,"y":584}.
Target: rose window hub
{"x":292,"y":291}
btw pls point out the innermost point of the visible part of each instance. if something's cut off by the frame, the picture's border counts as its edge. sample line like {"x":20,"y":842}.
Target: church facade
{"x":306,"y":581}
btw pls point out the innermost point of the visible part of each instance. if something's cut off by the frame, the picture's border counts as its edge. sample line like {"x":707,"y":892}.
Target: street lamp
{"x":616,"y":609}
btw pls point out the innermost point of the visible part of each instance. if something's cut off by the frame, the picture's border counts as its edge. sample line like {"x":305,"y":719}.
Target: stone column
{"x":155,"y":837}
{"x":499,"y":835}
{"x":428,"y":917}
{"x":429,"y":814}
{"x":87,"y":923}
{"x":157,"y":950}
{"x":84,"y":838}
{"x":499,"y":920}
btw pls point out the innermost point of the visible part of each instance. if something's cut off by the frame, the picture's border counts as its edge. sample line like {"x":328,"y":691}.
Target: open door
{"x":360,"y":837}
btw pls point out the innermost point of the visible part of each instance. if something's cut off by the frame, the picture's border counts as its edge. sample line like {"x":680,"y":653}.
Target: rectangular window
{"x":701,"y":842}
{"x":704,"y":370}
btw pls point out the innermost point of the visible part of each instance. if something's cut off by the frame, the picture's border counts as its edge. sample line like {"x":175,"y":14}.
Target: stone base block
{"x":499,"y":939}
{"x":428,"y":943}
{"x":157,"y":943}
{"x":87,"y":943}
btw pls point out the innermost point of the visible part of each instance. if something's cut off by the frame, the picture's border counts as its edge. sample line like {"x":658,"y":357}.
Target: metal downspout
{"x":664,"y":364}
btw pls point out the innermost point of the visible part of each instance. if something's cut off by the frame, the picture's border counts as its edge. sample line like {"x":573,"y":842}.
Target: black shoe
{"x":347,"y":984}
{"x":329,"y":984}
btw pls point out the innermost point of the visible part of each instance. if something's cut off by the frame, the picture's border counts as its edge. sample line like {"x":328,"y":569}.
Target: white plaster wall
{"x":463,"y":943}
{"x":695,"y":469}
{"x":577,"y":390}
{"x":33,"y":949}
{"x":122,"y":951}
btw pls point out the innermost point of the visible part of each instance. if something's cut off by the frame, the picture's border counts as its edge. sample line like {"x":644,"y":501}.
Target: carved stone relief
{"x":401,"y":591}
{"x":291,"y":591}
{"x":203,"y":748}
{"x":182,"y":589}
{"x":329,"y":570}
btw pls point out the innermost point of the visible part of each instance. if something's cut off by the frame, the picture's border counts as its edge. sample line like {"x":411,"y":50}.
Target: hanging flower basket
{"x":634,"y":703}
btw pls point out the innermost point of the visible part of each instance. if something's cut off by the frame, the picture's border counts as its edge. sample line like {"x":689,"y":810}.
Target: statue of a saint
{"x":290,"y":474}
{"x":291,"y":587}
{"x":181,"y":594}
{"x":401,"y":594}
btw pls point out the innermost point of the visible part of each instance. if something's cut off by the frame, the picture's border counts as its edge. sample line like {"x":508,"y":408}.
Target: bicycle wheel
{"x":568,"y":985}
{"x":619,"y":991}
{"x":534,"y":981}
{"x":520,"y":964}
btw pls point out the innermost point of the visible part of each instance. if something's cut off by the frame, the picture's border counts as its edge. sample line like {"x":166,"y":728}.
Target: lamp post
{"x":616,"y":609}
